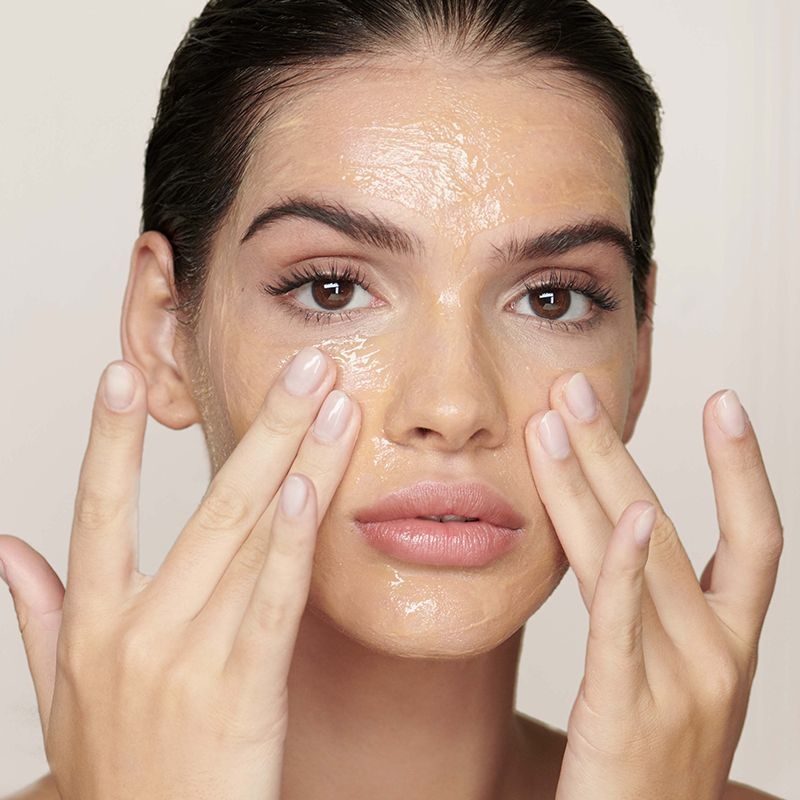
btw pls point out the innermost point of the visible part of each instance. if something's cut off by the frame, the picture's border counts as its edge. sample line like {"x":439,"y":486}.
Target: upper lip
{"x":431,"y":498}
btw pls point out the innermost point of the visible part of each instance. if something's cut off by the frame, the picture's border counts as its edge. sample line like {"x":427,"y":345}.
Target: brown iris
{"x":550,"y":303}
{"x":332,"y":294}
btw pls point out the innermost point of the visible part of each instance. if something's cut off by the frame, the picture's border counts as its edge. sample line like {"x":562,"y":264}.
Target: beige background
{"x":79,"y":89}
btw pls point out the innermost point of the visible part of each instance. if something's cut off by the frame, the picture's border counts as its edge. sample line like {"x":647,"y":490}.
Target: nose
{"x":447,"y":393}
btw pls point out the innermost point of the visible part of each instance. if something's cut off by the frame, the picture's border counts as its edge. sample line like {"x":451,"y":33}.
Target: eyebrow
{"x":371,"y":229}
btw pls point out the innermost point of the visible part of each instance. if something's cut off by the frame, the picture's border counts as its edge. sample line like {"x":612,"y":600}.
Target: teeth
{"x":450,"y":518}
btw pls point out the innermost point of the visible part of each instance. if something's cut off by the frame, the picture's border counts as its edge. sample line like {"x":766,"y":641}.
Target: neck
{"x":363,"y":724}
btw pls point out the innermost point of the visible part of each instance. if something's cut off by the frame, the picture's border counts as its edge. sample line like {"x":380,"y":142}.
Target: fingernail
{"x":3,"y":572}
{"x":553,"y":435}
{"x":580,"y":398}
{"x":333,"y":416}
{"x":730,"y":414}
{"x":118,"y":387}
{"x":293,"y":496}
{"x":306,"y":372}
{"x":643,"y":526}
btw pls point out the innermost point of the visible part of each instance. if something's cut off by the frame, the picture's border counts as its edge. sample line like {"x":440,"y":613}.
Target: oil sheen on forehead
{"x":455,"y":150}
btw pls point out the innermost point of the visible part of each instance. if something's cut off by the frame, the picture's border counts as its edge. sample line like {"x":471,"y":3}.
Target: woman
{"x":396,"y":260}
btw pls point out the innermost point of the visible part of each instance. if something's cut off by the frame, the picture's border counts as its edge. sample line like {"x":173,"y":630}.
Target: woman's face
{"x":447,"y":352}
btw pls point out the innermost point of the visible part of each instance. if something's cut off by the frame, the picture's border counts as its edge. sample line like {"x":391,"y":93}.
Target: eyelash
{"x":601,"y":296}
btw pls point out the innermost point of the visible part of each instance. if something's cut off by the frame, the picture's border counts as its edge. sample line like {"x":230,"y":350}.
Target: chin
{"x":426,"y":612}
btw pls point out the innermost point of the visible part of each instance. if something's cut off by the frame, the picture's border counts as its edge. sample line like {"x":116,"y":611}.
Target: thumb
{"x":38,"y":596}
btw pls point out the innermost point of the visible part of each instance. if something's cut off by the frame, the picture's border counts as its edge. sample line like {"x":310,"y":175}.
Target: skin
{"x":462,"y":165}
{"x":462,"y":159}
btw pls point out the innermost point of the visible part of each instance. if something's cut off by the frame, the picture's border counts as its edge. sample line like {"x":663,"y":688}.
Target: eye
{"x":324,"y":294}
{"x":566,"y":301}
{"x":332,"y":294}
{"x":552,"y":303}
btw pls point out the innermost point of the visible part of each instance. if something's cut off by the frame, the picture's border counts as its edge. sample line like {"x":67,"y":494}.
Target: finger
{"x":262,"y":647}
{"x":745,"y":565}
{"x":617,"y":482}
{"x":103,"y":549}
{"x":579,"y":521}
{"x":578,"y":518}
{"x":615,"y":665}
{"x":38,"y":596}
{"x":323,"y":459}
{"x":243,"y":487}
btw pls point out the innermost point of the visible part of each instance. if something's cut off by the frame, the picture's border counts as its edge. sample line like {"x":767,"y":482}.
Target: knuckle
{"x":106,"y":425}
{"x":750,"y":460}
{"x":287,"y":544}
{"x":623,"y":640}
{"x":183,"y":685}
{"x":575,"y":484}
{"x":603,"y":442}
{"x":664,"y":538}
{"x":278,"y":420}
{"x":319,"y":464}
{"x":94,"y":509}
{"x":134,"y":650}
{"x":225,"y":507}
{"x":69,"y":657}
{"x":252,"y":555}
{"x":770,"y":542}
{"x":722,"y":683}
{"x":275,"y":613}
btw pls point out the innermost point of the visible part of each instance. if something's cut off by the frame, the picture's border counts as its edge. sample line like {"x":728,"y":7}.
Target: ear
{"x":150,"y":336}
{"x":644,"y":347}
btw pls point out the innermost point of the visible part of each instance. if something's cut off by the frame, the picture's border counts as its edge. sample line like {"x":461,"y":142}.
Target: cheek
{"x":531,"y":366}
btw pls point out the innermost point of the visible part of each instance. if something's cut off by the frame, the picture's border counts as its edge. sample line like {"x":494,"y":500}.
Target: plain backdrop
{"x":80,"y":84}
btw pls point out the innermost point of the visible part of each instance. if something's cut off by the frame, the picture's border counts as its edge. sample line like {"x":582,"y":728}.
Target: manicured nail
{"x":293,"y":496}
{"x":580,"y":398}
{"x":306,"y":372}
{"x":118,"y":387}
{"x":553,"y":435}
{"x":643,"y":526}
{"x":333,"y":416}
{"x":730,"y":414}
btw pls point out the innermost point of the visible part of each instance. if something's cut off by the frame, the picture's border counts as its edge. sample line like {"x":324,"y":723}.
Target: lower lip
{"x":441,"y":544}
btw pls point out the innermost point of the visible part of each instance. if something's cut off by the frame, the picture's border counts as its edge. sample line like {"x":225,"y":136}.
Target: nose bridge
{"x":448,"y":385}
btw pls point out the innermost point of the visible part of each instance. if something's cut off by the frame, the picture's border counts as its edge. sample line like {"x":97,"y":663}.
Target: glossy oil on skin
{"x":445,"y":373}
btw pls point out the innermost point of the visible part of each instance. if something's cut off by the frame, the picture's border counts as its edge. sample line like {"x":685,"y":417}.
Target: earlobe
{"x":150,"y":333}
{"x":644,"y":347}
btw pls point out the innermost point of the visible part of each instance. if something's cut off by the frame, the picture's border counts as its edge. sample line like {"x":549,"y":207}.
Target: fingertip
{"x":532,"y":425}
{"x":643,"y":525}
{"x":730,"y":415}
{"x":559,"y":385}
{"x":119,"y":384}
{"x":295,"y":495}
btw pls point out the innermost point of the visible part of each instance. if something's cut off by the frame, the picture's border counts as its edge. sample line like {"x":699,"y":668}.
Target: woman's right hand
{"x":174,"y":686}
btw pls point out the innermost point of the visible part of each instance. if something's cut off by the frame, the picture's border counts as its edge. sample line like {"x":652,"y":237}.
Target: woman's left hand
{"x":670,"y":660}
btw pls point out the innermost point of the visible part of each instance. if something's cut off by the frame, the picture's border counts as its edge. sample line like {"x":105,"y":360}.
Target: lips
{"x":431,"y":498}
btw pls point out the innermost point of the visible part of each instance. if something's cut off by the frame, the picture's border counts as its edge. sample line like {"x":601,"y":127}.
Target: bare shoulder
{"x":739,"y":791}
{"x":43,"y":789}
{"x":546,"y":739}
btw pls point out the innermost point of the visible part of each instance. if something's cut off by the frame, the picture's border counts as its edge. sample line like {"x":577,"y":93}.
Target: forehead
{"x":459,"y":151}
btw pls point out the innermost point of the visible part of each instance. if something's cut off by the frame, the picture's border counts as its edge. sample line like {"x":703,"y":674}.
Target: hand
{"x":669,"y":661}
{"x":174,"y":686}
